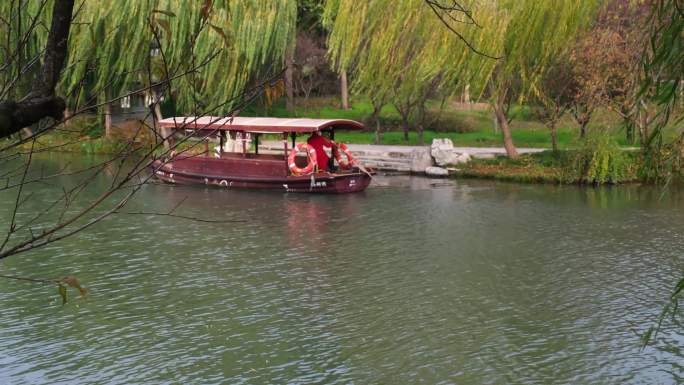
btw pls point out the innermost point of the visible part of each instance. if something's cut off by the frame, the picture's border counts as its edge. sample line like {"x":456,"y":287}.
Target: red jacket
{"x":318,"y":142}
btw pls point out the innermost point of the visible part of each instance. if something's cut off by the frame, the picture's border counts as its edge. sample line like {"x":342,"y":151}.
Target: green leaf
{"x":646,"y":338}
{"x":167,"y":13}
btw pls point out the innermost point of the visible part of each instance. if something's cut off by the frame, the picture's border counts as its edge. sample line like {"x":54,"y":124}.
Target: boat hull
{"x":324,"y":182}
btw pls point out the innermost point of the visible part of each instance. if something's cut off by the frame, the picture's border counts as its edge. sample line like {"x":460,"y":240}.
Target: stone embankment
{"x":431,"y":160}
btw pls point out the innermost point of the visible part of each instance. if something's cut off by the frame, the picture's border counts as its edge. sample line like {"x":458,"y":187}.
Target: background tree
{"x":619,"y":32}
{"x":105,"y":59}
{"x":535,"y":33}
{"x":245,"y":38}
{"x":555,"y":95}
{"x":589,"y":61}
{"x":312,"y":72}
{"x":400,"y":52}
{"x":662,"y":81}
{"x":502,"y":46}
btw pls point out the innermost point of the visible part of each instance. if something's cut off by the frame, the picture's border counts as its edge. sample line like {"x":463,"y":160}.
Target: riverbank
{"x":598,"y":159}
{"x":554,"y":168}
{"x":535,"y":165}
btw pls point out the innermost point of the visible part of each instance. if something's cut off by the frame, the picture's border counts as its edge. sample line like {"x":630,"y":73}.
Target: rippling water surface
{"x":413,"y":281}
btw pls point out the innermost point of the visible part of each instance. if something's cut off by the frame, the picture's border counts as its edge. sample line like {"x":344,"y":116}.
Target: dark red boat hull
{"x":237,"y":173}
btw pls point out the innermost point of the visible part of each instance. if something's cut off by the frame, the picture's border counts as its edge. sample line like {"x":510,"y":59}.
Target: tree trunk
{"x":582,"y":115}
{"x":344,"y":90}
{"x":289,"y":85}
{"x":505,"y":128}
{"x":378,"y":135}
{"x":375,"y":116}
{"x":628,"y":122}
{"x":421,"y":122}
{"x":41,"y":101}
{"x":629,"y":130}
{"x":643,"y":127}
{"x":155,"y":109}
{"x":406,"y":129}
{"x":554,"y":136}
{"x":67,"y":116}
{"x":108,"y":120}
{"x":583,"y":128}
{"x":404,"y":120}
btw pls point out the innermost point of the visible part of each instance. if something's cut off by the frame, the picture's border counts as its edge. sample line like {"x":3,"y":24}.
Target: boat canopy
{"x":258,"y":125}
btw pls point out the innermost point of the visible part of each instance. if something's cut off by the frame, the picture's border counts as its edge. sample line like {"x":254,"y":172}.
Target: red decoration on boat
{"x":345,"y":165}
{"x":311,"y":158}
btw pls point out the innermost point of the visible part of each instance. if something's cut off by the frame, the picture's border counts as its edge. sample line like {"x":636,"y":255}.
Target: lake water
{"x":413,"y":281}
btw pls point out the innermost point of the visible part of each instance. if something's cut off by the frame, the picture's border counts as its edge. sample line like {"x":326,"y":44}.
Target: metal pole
{"x":287,"y":166}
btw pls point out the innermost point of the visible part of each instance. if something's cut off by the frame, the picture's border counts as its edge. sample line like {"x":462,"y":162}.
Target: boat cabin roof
{"x":258,"y":125}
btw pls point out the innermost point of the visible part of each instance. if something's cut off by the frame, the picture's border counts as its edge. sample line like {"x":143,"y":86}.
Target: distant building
{"x":131,"y":107}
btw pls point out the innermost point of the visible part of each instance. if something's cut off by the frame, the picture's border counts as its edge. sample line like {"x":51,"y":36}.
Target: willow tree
{"x":401,"y":53}
{"x":208,"y":52}
{"x":400,"y":48}
{"x":221,"y":44}
{"x":210,"y":49}
{"x":536,"y":32}
{"x":663,"y":82}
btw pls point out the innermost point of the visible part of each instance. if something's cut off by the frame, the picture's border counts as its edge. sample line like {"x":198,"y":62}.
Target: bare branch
{"x":441,"y":10}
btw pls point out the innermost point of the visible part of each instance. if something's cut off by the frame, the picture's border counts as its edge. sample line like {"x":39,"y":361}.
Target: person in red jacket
{"x":318,"y":142}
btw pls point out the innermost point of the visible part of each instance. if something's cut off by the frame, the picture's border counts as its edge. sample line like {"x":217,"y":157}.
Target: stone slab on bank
{"x":416,"y":159}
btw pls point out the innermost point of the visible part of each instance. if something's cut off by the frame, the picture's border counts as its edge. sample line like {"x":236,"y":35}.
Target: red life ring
{"x":311,"y":157}
{"x":350,"y":159}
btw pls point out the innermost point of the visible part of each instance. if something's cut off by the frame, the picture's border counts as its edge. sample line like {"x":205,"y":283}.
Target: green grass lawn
{"x":523,"y":137}
{"x":471,"y":128}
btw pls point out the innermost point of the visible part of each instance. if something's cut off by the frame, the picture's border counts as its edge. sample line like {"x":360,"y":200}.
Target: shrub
{"x":663,"y":162}
{"x":87,"y":124}
{"x":599,"y":160}
{"x":522,"y":112}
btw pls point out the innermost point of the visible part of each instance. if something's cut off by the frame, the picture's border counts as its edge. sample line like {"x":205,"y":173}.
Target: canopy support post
{"x":287,"y":166}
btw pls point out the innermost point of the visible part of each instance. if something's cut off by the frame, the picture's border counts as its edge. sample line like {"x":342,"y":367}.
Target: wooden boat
{"x":254,"y":170}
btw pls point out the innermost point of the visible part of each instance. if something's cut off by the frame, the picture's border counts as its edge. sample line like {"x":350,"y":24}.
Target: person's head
{"x":317,"y":133}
